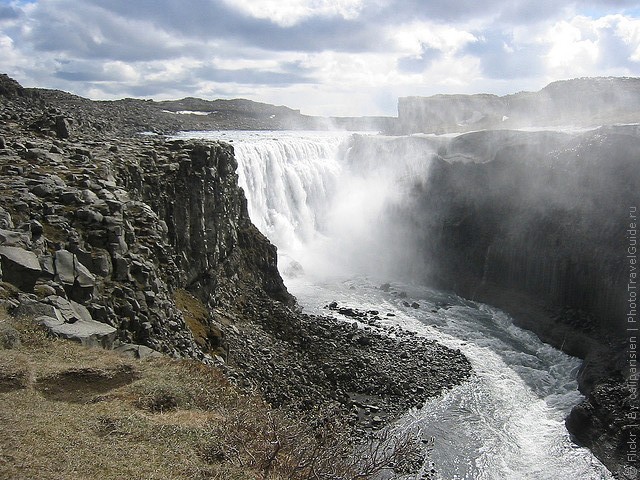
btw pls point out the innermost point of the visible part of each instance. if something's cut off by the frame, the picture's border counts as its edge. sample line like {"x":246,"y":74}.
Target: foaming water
{"x":324,"y":208}
{"x":327,"y":209}
{"x":507,"y":421}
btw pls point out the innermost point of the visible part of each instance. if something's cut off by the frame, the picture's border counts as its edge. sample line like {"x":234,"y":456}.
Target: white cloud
{"x":123,"y":71}
{"x":290,"y":12}
{"x":412,"y":38}
{"x":587,"y":46}
{"x":345,"y":69}
{"x":572,"y":52}
{"x":323,"y":56}
{"x":628,"y":30}
{"x":7,"y":50}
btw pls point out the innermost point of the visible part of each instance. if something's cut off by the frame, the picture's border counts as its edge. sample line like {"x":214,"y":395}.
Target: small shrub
{"x":161,"y":399}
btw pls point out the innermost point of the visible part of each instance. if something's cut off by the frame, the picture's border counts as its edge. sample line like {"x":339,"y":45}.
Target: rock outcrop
{"x":61,"y":114}
{"x":578,"y":102}
{"x":88,"y":233}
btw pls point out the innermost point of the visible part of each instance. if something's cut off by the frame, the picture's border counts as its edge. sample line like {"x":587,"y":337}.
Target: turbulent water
{"x":327,"y":212}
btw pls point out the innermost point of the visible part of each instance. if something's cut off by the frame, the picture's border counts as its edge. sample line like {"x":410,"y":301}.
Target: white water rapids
{"x":327,"y":218}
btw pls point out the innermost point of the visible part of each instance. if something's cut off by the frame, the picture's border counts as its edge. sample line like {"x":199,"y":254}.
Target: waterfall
{"x":332,"y":202}
{"x":288,"y":181}
{"x":329,"y":210}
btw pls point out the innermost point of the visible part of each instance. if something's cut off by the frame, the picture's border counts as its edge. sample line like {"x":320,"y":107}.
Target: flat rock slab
{"x":76,"y":279}
{"x":87,"y":332}
{"x":9,"y":238}
{"x":137,"y":351}
{"x":68,"y":311}
{"x":70,"y":270}
{"x":20,"y":267}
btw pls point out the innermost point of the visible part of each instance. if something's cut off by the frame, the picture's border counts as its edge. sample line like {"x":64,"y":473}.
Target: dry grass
{"x":79,"y":413}
{"x":68,"y":412}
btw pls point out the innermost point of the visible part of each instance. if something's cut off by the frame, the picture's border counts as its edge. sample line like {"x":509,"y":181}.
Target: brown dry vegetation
{"x":68,"y":412}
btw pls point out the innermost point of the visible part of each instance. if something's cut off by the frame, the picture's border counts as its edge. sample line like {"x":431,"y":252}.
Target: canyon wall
{"x":535,"y":223}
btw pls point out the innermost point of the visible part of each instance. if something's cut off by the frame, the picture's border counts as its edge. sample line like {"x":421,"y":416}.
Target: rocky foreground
{"x":143,"y":245}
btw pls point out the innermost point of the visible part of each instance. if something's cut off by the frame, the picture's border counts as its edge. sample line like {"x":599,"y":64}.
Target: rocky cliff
{"x":536,"y":223}
{"x":116,"y":228}
{"x":144,"y":245}
{"x":131,"y":116}
{"x":577,"y":102}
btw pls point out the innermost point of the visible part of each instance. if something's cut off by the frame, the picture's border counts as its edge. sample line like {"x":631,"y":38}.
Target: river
{"x":331,"y":217}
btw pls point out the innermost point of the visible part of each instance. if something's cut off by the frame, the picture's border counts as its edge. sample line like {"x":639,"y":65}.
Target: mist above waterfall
{"x":331,"y":205}
{"x":332,"y":202}
{"x":448,"y":212}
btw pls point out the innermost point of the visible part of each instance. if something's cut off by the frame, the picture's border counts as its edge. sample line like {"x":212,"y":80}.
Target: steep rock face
{"x":536,"y":223}
{"x":204,"y":210}
{"x":123,"y":226}
{"x":548,"y":221}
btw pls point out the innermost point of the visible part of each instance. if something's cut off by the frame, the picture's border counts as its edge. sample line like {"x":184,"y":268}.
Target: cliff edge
{"x":585,"y":102}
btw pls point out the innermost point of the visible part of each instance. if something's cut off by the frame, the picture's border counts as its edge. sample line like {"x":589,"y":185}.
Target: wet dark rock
{"x":62,"y":127}
{"x":607,"y":424}
{"x":340,"y":357}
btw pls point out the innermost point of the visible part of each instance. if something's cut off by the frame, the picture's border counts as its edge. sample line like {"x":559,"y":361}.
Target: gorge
{"x":417,"y":228}
{"x":502,"y":217}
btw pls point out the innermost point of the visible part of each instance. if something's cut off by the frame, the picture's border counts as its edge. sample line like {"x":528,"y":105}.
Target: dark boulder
{"x":62,"y":127}
{"x":9,"y":87}
{"x":77,"y":280}
{"x":20,"y":267}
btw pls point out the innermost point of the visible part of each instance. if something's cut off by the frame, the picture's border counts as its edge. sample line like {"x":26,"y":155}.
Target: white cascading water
{"x":507,"y":421}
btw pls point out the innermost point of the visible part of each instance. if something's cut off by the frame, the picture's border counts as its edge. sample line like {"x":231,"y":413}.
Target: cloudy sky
{"x":325,"y":57}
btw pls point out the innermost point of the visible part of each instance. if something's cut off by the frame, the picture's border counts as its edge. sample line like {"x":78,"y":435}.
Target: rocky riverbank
{"x":144,"y":245}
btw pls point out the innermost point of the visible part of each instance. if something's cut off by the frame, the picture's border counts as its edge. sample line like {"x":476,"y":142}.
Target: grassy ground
{"x":69,"y":412}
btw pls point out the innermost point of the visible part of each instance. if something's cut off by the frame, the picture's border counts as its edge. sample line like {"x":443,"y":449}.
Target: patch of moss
{"x":198,"y":320}
{"x":8,"y":290}
{"x":54,"y":233}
